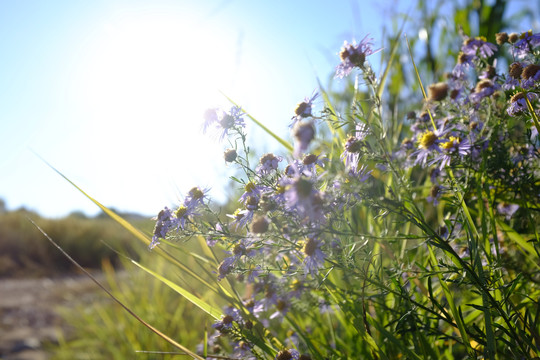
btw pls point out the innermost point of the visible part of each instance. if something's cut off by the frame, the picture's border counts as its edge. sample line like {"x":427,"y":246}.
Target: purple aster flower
{"x":230,"y":315}
{"x":268,"y":163}
{"x":507,"y":209}
{"x":478,"y":47}
{"x":484,"y":88}
{"x":525,"y":45}
{"x":195,"y":197}
{"x":529,"y":76}
{"x":302,"y":197}
{"x":252,"y":190}
{"x":453,"y":146}
{"x":465,"y":62}
{"x":304,"y":109}
{"x":283,"y":306}
{"x":314,"y":259}
{"x":304,"y":133}
{"x":164,"y":223}
{"x":428,"y":143}
{"x":221,"y":122}
{"x":288,"y":354}
{"x":241,"y":218}
{"x":354,"y":55}
{"x":518,"y":104}
{"x":435,"y":194}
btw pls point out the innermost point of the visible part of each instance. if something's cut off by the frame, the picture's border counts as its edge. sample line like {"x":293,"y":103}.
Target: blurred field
{"x":24,"y":252}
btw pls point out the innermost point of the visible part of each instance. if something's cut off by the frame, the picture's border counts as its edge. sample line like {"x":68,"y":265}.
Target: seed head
{"x":513,"y":38}
{"x":515,"y":70}
{"x":530,"y":71}
{"x":438,"y":91}
{"x":501,"y":38}
{"x":230,"y":155}
{"x":259,"y":225}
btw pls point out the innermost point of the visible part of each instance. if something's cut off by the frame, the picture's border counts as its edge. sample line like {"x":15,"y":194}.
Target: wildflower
{"x":314,"y":257}
{"x":302,"y":197}
{"x":163,"y":225}
{"x":304,"y":133}
{"x":428,"y":143}
{"x":288,"y":354}
{"x":451,"y":147}
{"x":507,"y":209}
{"x":465,"y":61}
{"x":513,"y":38}
{"x":518,"y":103}
{"x":528,"y":41}
{"x":304,"y":109}
{"x":354,"y":55}
{"x":231,"y":315}
{"x":484,"y":88}
{"x":353,"y":148}
{"x":252,"y":190}
{"x":195,"y":197}
{"x":267,"y":163}
{"x":182,"y":214}
{"x":478,"y":47}
{"x":282,"y":307}
{"x":241,"y":217}
{"x":530,"y":75}
{"x":222,"y":122}
{"x":435,"y":194}
{"x":514,"y":74}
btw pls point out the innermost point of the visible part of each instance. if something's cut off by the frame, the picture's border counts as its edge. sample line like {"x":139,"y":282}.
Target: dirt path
{"x":28,"y":313}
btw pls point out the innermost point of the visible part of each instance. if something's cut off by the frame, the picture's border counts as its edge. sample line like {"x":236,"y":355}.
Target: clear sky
{"x":112,"y":92}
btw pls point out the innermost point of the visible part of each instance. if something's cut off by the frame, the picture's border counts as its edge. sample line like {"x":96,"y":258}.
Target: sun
{"x":144,"y":82}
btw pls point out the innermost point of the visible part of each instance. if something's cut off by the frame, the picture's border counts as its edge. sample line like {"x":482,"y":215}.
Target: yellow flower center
{"x":182,"y":210}
{"x":196,"y":193}
{"x":428,"y":139}
{"x":451,"y":143}
{"x":249,"y":187}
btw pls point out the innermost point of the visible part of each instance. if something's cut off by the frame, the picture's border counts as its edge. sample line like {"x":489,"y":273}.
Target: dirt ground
{"x":28,"y":313}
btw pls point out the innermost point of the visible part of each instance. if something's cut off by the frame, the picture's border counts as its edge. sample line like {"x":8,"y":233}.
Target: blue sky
{"x":112,"y":93}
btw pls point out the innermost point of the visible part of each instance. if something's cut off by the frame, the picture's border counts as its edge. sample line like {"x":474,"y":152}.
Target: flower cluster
{"x":307,"y":231}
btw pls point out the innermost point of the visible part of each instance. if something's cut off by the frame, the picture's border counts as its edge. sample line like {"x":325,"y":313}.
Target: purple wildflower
{"x":507,"y":209}
{"x":518,"y":103}
{"x":523,"y":47}
{"x":268,"y":163}
{"x":163,"y":224}
{"x":314,"y":259}
{"x":478,"y":47}
{"x":483,"y":89}
{"x":354,"y":55}
{"x":288,"y":354}
{"x":302,"y":196}
{"x":304,"y":109}
{"x":428,"y":143}
{"x":221,"y":122}
{"x":304,"y":133}
{"x":353,"y":146}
